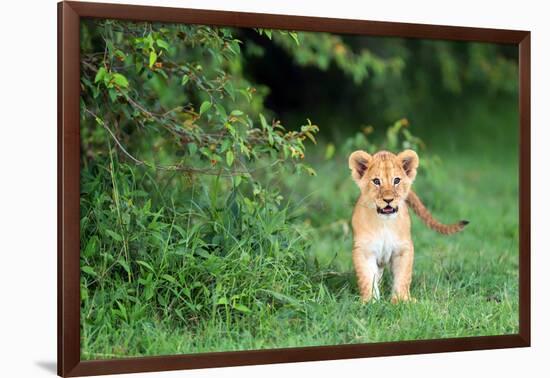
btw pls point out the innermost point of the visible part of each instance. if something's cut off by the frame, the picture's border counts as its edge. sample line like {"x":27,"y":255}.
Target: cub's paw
{"x":395,"y":299}
{"x":367,"y":300}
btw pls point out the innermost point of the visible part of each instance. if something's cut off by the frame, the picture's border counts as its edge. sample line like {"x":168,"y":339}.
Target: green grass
{"x":179,"y":268}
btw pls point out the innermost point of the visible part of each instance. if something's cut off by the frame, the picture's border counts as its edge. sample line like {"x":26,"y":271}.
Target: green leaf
{"x":221,"y":111}
{"x":89,"y":270}
{"x":238,"y":180}
{"x":152,"y":58}
{"x":206,"y":152}
{"x":147,"y":206}
{"x":162,"y":299}
{"x":163,"y":44}
{"x":204,"y":107}
{"x":83,"y":294}
{"x":120,"y":54}
{"x":122,"y":311}
{"x":283,"y":298}
{"x":124,"y":264}
{"x":149,"y":291}
{"x":201,"y":252}
{"x":113,"y":94}
{"x":237,"y":113}
{"x":120,"y":80}
{"x":146,"y":265}
{"x":222,"y":301}
{"x":329,"y":152}
{"x":241,"y":307}
{"x":311,"y":137}
{"x":229,"y":88}
{"x":149,"y":41}
{"x":310,"y":170}
{"x":184,"y":79}
{"x":91,"y":247}
{"x":225,"y":145}
{"x":139,"y":65}
{"x":229,"y":157}
{"x":170,"y":279}
{"x":263,"y":121}
{"x":294,"y":36}
{"x":114,"y":235}
{"x":100,"y":75}
{"x":162,"y":73}
{"x":192,"y":148}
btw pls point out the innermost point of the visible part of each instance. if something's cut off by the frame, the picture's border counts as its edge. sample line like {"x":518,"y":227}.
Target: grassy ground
{"x":465,"y":285}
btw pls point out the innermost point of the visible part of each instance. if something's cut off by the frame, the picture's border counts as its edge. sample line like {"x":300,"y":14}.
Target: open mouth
{"x":386,"y":210}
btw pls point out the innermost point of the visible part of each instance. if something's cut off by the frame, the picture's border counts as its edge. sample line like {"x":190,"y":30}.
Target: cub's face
{"x":384,"y":178}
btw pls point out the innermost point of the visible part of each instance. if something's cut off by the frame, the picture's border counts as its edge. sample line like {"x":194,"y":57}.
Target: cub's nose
{"x":388,"y":200}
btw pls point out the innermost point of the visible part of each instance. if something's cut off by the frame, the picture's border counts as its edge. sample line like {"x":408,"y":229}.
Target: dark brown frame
{"x":68,"y":360}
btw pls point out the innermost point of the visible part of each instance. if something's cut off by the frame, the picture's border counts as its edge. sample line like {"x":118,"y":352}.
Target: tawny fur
{"x":424,"y":214}
{"x":381,"y":222}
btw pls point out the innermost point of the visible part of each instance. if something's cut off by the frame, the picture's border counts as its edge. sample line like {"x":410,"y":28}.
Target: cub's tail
{"x":424,"y":214}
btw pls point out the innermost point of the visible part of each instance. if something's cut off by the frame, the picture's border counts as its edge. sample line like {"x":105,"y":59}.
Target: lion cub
{"x":381,"y":223}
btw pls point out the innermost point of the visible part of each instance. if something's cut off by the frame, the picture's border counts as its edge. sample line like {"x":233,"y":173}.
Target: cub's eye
{"x":376,"y":182}
{"x":396,"y":181}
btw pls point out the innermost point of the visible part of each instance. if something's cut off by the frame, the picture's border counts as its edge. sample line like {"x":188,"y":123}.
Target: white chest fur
{"x":384,"y":244}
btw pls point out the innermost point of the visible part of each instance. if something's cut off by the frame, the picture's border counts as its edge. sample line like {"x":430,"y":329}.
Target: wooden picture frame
{"x":69,"y":15}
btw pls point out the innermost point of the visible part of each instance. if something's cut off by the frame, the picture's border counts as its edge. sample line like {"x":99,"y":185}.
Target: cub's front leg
{"x":402,"y":268}
{"x":368,"y":273}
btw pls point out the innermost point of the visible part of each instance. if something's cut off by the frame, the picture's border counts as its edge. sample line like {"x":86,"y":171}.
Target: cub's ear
{"x":409,"y":162}
{"x":358,"y":163}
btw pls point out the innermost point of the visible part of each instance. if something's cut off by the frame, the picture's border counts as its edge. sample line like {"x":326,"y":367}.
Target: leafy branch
{"x":215,"y":121}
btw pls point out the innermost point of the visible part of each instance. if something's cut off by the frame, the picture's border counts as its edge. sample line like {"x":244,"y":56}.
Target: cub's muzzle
{"x":386,"y":210}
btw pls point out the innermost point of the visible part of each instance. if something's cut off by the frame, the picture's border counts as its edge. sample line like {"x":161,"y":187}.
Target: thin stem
{"x":176,"y":167}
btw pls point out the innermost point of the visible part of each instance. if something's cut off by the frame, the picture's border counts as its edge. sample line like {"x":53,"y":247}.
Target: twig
{"x":176,"y":167}
{"x":136,"y":160}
